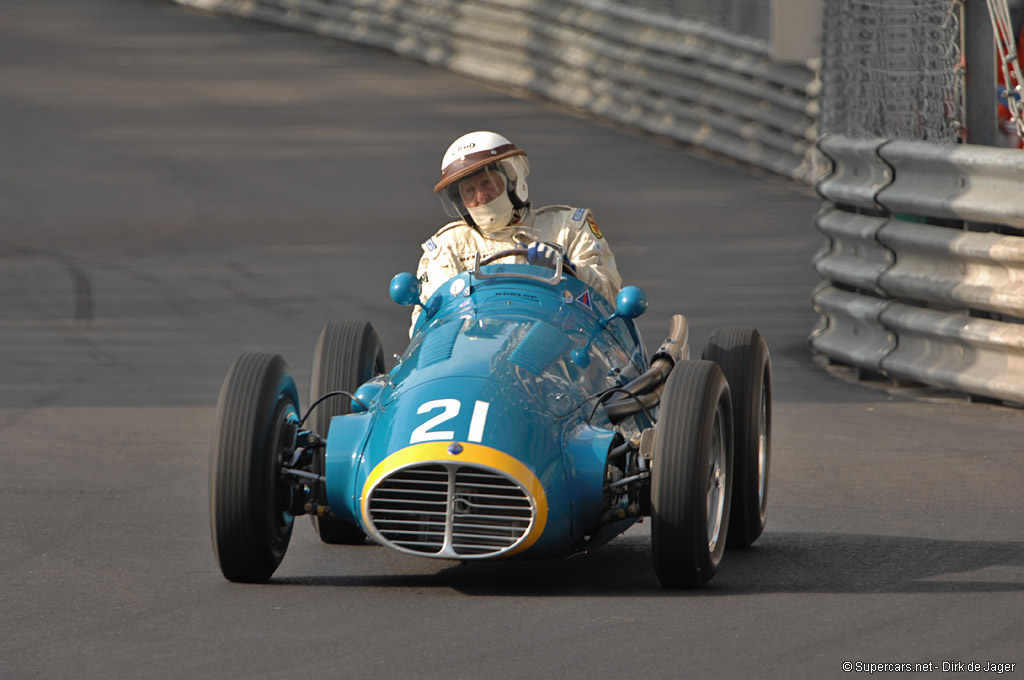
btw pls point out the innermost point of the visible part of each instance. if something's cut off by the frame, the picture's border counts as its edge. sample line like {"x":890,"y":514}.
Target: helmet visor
{"x":474,"y":191}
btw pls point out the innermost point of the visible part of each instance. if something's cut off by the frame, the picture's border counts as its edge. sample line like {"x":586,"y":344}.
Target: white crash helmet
{"x":476,"y":152}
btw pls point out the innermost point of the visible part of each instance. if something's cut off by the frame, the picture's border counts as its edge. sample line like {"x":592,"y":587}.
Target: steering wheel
{"x":512,"y":252}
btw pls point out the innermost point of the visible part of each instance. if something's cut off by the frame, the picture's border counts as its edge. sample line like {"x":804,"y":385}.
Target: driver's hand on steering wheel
{"x":546,"y":255}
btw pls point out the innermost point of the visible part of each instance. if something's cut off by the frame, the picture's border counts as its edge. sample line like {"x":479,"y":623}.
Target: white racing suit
{"x":453,"y":249}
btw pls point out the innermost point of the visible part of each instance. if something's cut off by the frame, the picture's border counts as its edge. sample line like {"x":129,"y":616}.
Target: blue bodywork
{"x":507,"y":367}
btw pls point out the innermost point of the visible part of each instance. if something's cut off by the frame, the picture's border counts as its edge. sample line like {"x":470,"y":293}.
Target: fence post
{"x":980,"y":90}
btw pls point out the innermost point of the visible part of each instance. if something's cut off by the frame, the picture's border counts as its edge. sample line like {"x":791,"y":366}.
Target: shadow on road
{"x":779,"y":563}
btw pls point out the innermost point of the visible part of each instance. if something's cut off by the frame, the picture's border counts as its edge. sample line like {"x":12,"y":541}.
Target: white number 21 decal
{"x":451,"y":408}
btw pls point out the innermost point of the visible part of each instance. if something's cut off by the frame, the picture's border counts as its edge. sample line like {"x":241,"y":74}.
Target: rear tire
{"x":742,"y":354}
{"x":691,"y":476}
{"x":249,"y":502}
{"x":347,"y":354}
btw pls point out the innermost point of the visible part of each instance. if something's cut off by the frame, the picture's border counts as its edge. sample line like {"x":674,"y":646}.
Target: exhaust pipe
{"x":644,"y":392}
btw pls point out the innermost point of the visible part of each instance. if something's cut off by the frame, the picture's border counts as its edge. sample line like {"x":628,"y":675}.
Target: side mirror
{"x":405,"y":289}
{"x":631,"y":302}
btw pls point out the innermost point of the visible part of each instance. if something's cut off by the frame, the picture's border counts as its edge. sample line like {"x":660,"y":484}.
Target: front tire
{"x":742,"y":354}
{"x":347,"y":354}
{"x":249,"y":502}
{"x":691,"y":476}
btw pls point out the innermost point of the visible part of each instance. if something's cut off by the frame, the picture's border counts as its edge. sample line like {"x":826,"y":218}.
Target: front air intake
{"x":450,"y":510}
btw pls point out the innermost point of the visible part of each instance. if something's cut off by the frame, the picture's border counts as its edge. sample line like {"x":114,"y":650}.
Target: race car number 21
{"x":449,"y":409}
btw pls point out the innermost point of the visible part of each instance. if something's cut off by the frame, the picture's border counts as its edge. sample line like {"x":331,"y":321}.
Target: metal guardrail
{"x":851,"y":331}
{"x":956,"y":352}
{"x":907,"y":293}
{"x":968,"y":270}
{"x":973,"y":183}
{"x":855,"y":256}
{"x":858,"y":172}
{"x":659,"y":74}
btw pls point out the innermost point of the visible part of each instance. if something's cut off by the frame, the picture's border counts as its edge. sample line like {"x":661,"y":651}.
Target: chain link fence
{"x":892,"y":68}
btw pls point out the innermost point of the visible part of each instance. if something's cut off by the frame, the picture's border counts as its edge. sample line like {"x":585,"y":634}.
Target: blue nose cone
{"x":405,"y":289}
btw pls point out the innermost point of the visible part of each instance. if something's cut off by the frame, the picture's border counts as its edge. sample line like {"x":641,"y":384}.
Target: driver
{"x":483,"y":185}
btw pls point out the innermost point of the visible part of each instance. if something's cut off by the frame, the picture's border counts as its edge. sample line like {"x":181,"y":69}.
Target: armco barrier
{"x":659,"y":74}
{"x":853,"y":333}
{"x":858,"y":172}
{"x":972,"y":183}
{"x":854,"y":257}
{"x":956,"y":351}
{"x":907,"y":298}
{"x":977,"y":271}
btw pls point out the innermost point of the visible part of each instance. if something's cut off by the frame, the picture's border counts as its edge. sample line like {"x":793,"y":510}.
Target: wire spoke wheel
{"x":742,"y":354}
{"x":762,"y":453}
{"x":716,"y":481}
{"x":250,"y":521}
{"x":691,"y":475}
{"x":347,"y":354}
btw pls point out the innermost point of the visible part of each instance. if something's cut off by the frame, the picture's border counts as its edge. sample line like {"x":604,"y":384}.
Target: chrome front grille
{"x":450,"y":510}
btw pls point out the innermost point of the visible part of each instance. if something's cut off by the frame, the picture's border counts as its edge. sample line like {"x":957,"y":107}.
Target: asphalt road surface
{"x":176,"y":188}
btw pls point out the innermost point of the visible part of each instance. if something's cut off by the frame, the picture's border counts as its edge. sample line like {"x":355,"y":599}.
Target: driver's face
{"x":481,"y":188}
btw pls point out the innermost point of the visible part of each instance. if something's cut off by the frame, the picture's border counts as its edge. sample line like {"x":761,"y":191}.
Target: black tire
{"x":691,"y":475}
{"x":347,"y":354}
{"x":249,"y":502}
{"x":742,"y":354}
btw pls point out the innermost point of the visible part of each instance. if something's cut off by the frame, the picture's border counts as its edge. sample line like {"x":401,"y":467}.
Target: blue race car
{"x":524,"y":420}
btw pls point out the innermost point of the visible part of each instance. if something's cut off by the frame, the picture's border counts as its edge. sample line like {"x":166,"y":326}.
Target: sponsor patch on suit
{"x":431,"y":248}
